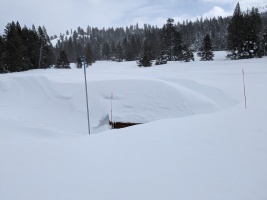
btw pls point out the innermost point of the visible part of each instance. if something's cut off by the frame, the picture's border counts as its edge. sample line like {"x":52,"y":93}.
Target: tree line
{"x":247,"y":34}
{"x":243,"y":35}
{"x":22,"y":49}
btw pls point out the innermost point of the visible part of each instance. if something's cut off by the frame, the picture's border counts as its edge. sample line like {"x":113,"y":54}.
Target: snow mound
{"x":43,"y":102}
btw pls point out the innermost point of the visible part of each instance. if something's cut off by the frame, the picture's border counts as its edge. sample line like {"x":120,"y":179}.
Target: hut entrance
{"x":117,"y":125}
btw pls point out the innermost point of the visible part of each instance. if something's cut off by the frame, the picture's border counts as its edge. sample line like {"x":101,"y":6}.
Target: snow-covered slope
{"x":198,"y":140}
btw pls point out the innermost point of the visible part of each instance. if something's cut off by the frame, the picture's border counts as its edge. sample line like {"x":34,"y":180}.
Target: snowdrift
{"x":197,"y":142}
{"x":61,"y":106}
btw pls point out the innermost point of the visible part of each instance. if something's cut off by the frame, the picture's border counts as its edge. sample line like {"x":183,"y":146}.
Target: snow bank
{"x":211,"y":148}
{"x":61,"y":106}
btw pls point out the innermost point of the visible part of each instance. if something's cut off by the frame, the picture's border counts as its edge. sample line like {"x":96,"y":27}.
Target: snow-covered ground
{"x":197,"y":142}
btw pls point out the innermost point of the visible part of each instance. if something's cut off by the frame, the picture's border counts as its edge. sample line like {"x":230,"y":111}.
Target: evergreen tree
{"x":235,"y":34}
{"x":151,"y":37}
{"x":89,"y":57}
{"x":205,"y":52}
{"x":79,"y":50}
{"x":106,"y":51}
{"x":97,"y":51}
{"x":167,"y":38}
{"x":15,"y":58}
{"x":134,"y":51}
{"x":30,"y":41}
{"x":243,"y":34}
{"x":187,"y":54}
{"x":125,"y":48}
{"x":252,"y":28}
{"x":171,"y":43}
{"x":138,"y":47}
{"x":113,"y":51}
{"x":70,"y":50}
{"x":62,"y":61}
{"x":2,"y":47}
{"x":79,"y":63}
{"x":119,"y":53}
{"x":145,"y":60}
{"x":178,"y":46}
{"x":22,"y":48}
{"x":162,"y":58}
{"x":264,"y":43}
{"x":129,"y":53}
{"x":45,"y":46}
{"x":51,"y":56}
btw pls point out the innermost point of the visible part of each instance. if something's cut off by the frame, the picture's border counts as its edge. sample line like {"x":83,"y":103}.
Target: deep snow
{"x":198,"y":140}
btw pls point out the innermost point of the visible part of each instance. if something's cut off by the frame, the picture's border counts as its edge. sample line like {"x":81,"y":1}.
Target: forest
{"x":243,"y":35}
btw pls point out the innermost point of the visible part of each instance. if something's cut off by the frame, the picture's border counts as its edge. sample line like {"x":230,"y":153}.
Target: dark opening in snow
{"x":117,"y":125}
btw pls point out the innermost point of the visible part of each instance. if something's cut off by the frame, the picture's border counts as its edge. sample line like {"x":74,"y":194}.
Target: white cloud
{"x":215,"y":12}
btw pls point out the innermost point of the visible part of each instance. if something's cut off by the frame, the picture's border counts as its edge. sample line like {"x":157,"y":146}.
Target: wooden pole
{"x":245,"y":96}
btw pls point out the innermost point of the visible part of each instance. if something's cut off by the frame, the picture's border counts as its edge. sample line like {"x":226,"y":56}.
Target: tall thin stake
{"x":244,"y":89}
{"x":111,"y":110}
{"x":88,"y":119}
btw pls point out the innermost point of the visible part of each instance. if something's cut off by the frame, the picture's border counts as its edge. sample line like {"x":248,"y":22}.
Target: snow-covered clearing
{"x":197,"y":142}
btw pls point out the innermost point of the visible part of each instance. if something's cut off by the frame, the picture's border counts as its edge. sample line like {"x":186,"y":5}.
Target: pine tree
{"x":205,"y":52}
{"x":44,"y":47}
{"x":106,"y":51}
{"x":89,"y":57}
{"x":133,"y":54}
{"x":187,"y":54}
{"x":252,"y":28}
{"x":2,"y":47}
{"x":30,"y":40}
{"x":97,"y":51}
{"x":264,"y":43}
{"x":151,"y":38}
{"x":62,"y":61}
{"x":167,"y":39}
{"x":125,"y":48}
{"x":79,"y":49}
{"x":79,"y":63}
{"x":129,"y":53}
{"x":235,"y":34}
{"x":70,"y":50}
{"x":119,"y":53}
{"x":177,"y":49}
{"x":113,"y":51}
{"x":162,"y":58}
{"x":146,"y":60}
{"x":243,"y":34}
{"x":138,"y":46}
{"x":15,"y":58}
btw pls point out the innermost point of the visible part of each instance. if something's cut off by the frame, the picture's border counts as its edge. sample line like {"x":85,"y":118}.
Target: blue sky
{"x":61,"y":15}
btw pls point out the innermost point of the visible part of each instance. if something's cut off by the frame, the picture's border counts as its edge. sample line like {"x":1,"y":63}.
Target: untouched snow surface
{"x":197,"y":141}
